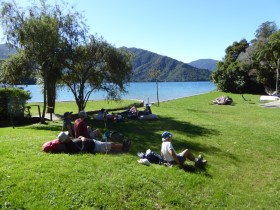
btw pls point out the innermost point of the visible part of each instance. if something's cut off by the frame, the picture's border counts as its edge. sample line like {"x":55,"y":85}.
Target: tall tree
{"x":43,"y":32}
{"x":260,"y":58}
{"x":228,"y":76}
{"x":266,"y":58}
{"x":265,"y":30}
{"x":96,"y":65}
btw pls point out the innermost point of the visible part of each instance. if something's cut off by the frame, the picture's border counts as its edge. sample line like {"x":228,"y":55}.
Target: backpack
{"x":114,"y":136}
{"x":54,"y":146}
{"x":153,"y":157}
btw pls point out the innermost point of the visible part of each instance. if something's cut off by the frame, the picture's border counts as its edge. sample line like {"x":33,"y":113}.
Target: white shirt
{"x":166,"y":147}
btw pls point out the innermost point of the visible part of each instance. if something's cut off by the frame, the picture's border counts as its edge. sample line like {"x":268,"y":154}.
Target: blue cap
{"x":165,"y":135}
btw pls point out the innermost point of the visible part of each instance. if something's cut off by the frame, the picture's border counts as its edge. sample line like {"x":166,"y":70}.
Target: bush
{"x":12,"y":102}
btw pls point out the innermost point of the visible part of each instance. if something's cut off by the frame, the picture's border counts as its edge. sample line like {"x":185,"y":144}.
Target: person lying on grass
{"x":171,"y":157}
{"x":82,"y":144}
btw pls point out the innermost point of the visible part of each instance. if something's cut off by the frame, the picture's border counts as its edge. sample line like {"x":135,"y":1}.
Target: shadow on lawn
{"x":147,"y":135}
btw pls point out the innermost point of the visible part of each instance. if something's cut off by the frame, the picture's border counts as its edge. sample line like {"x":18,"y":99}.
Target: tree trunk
{"x":45,"y":100}
{"x":157,"y":93}
{"x":51,"y":95}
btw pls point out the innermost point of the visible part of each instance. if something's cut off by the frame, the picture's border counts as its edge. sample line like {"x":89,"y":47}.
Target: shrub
{"x":12,"y":102}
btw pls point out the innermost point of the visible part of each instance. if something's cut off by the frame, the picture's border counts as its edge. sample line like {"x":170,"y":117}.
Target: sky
{"x":185,"y":30}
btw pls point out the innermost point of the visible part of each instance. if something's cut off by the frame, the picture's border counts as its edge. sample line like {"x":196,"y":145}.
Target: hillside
{"x":171,"y":69}
{"x":5,"y":51}
{"x":143,"y":61}
{"x":209,"y":64}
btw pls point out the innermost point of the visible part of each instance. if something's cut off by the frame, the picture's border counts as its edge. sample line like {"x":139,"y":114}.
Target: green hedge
{"x":12,"y":102}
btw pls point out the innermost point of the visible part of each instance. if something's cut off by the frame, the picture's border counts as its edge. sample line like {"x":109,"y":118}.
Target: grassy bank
{"x":240,"y":142}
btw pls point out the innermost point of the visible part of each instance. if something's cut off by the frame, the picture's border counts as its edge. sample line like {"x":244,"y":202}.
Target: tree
{"x":154,"y":75}
{"x":266,"y":57}
{"x":17,"y":69}
{"x":260,"y":58}
{"x":96,"y":65}
{"x":229,"y":76}
{"x":265,"y":30}
{"x":43,"y":32}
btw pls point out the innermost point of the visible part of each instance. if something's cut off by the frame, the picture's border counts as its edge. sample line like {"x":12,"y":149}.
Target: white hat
{"x":62,"y":136}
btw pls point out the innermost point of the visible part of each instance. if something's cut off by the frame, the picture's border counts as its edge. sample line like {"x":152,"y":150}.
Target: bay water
{"x":146,"y":91}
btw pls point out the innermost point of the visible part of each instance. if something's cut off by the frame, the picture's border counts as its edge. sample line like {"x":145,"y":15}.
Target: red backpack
{"x":54,"y":146}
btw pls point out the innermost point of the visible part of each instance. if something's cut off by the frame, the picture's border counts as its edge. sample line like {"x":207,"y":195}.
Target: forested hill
{"x":5,"y":51}
{"x":204,"y":64}
{"x":171,"y":70}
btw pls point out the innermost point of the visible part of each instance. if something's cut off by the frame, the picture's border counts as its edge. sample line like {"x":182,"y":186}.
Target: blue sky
{"x":185,"y":30}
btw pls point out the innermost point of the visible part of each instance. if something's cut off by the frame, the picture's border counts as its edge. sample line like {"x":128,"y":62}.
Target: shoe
{"x":199,"y":162}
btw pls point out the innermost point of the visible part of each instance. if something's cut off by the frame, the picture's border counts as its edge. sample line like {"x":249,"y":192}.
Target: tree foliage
{"x":229,"y":76}
{"x":96,"y":65}
{"x":59,"y":47}
{"x":250,"y":67}
{"x":260,"y":58}
{"x":17,"y":69}
{"x":40,"y":32}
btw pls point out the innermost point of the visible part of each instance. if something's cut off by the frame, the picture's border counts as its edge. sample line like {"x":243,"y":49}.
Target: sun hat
{"x":62,"y":136}
{"x":165,"y":135}
{"x":66,"y":114}
{"x":83,"y":114}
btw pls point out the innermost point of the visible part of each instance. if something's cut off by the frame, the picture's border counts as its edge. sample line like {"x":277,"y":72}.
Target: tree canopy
{"x":250,"y":67}
{"x":58,"y":47}
{"x":96,"y":65}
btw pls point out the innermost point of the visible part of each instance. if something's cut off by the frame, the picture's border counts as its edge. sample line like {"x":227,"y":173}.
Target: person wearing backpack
{"x":171,"y":157}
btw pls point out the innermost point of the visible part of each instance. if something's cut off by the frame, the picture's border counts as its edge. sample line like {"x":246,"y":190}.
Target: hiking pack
{"x":114,"y":136}
{"x":152,"y":157}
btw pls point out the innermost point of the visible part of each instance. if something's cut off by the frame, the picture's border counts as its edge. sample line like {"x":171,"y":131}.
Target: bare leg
{"x":187,"y":154}
{"x":116,"y":147}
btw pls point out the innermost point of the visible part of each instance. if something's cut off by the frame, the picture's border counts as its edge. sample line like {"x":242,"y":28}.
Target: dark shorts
{"x":181,"y":159}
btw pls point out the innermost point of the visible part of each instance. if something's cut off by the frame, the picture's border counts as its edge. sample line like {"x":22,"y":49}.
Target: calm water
{"x":141,"y":91}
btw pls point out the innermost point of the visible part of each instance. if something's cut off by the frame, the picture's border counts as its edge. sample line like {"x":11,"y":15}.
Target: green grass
{"x":240,"y":142}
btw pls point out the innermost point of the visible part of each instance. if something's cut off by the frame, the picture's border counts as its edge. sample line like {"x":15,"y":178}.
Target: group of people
{"x":79,"y":137}
{"x":133,"y":113}
{"x":82,"y":138}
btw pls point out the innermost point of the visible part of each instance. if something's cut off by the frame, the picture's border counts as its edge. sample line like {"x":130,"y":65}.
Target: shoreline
{"x":139,"y":100}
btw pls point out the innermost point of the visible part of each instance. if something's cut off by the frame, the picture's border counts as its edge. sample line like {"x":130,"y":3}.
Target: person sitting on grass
{"x":81,"y":128}
{"x":171,"y":157}
{"x":67,"y":124}
{"x":82,"y":144}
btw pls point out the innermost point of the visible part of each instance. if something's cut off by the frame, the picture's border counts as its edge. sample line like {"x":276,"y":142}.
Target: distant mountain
{"x":5,"y":51}
{"x":143,"y":61}
{"x":209,"y":64}
{"x":171,"y":69}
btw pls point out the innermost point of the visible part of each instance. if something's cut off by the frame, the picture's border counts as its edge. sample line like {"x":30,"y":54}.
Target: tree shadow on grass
{"x":147,"y":135}
{"x":18,"y":122}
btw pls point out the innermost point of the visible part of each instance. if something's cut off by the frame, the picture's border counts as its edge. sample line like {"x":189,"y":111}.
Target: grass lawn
{"x":240,"y":142}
